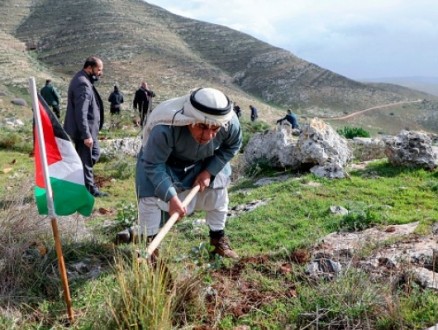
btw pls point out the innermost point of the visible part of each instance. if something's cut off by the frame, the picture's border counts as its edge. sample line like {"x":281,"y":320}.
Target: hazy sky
{"x":355,"y":38}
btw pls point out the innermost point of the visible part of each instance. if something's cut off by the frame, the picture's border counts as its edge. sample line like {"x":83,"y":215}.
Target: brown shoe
{"x":222,"y":247}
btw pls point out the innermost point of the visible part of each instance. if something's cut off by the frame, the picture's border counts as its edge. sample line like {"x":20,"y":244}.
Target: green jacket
{"x":50,"y":95}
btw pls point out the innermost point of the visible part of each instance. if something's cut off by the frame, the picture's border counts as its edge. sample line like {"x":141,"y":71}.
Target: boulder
{"x":125,"y":146}
{"x":19,"y":102}
{"x":322,"y":148}
{"x":13,"y":122}
{"x":319,"y":147}
{"x":274,"y":146}
{"x":411,"y":149}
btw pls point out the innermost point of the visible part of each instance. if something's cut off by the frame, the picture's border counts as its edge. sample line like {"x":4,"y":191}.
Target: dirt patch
{"x":233,"y":293}
{"x":391,"y":250}
{"x":102,"y":181}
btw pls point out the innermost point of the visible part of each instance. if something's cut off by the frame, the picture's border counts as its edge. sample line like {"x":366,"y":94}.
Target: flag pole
{"x":49,"y":197}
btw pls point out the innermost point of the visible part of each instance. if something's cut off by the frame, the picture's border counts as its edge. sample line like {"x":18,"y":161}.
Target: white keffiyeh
{"x":181,"y":112}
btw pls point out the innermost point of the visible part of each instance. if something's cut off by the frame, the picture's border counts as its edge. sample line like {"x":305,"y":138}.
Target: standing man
{"x":188,"y":141}
{"x":116,"y":100}
{"x":84,"y":118}
{"x":254,"y":114}
{"x":51,"y":96}
{"x":143,"y":101}
{"x":237,"y":110}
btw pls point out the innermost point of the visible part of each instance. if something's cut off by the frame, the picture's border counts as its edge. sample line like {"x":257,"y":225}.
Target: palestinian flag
{"x":65,"y":169}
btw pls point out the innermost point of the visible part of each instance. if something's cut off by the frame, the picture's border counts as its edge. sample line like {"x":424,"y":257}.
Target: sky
{"x":360,"y":39}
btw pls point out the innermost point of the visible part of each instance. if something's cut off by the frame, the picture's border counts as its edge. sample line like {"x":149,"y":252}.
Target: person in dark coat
{"x":84,"y":118}
{"x":237,"y":110}
{"x":254,"y":114}
{"x":51,"y":96}
{"x":116,"y":100}
{"x":291,"y":118}
{"x":143,"y":101}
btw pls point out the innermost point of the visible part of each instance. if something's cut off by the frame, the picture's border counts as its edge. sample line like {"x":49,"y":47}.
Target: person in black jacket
{"x":143,"y":101}
{"x":237,"y":110}
{"x":254,"y":113}
{"x":116,"y":100}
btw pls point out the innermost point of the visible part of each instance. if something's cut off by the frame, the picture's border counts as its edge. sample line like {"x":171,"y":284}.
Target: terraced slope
{"x":140,"y":41}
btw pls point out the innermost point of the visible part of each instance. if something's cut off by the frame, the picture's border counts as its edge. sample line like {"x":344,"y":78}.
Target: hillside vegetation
{"x":274,"y":228}
{"x":139,"y":41}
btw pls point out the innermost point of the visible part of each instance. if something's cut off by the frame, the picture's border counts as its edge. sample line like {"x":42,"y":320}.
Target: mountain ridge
{"x":174,"y":54}
{"x":424,"y":84}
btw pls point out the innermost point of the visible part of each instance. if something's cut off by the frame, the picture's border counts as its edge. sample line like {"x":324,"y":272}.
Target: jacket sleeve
{"x":56,"y":96}
{"x":156,"y":154}
{"x":227,"y":150}
{"x":82,"y":101}
{"x":281,"y":119}
{"x":136,"y":101}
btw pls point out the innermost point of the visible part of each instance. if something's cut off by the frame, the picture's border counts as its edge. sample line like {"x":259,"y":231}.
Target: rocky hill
{"x":139,"y":41}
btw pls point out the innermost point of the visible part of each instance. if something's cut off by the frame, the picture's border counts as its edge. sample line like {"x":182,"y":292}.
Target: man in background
{"x":291,"y":118}
{"x":84,"y":118}
{"x":254,"y":113}
{"x":143,"y":101}
{"x":51,"y":96}
{"x":237,"y":110}
{"x":116,"y":100}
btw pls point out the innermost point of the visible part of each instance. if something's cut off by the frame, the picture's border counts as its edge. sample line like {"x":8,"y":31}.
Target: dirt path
{"x":370,"y":109}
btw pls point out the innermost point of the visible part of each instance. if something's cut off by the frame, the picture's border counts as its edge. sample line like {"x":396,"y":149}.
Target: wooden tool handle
{"x":169,"y":224}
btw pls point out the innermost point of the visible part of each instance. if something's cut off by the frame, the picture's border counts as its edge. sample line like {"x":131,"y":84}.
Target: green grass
{"x":220,"y":294}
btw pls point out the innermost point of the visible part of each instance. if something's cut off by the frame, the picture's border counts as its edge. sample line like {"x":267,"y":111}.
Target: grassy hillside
{"x":268,"y":288}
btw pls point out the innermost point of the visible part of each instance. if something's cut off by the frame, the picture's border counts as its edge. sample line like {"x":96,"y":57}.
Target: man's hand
{"x":89,"y":142}
{"x":203,"y":179}
{"x":175,"y":205}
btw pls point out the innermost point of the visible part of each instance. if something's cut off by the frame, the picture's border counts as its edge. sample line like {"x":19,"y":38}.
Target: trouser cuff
{"x":216,"y":234}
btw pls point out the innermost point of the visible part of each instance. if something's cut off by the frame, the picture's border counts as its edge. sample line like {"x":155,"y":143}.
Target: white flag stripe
{"x":70,"y":167}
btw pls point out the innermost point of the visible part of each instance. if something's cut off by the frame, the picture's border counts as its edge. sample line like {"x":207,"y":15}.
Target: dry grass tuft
{"x":21,"y":245}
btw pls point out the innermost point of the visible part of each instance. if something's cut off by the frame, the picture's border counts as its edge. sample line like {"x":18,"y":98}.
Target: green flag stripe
{"x":68,"y":198}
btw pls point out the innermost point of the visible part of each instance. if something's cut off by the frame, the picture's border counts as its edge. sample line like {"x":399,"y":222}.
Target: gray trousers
{"x":212,"y":200}
{"x":89,"y":157}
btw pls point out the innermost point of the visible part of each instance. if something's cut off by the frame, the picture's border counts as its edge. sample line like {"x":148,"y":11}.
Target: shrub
{"x":121,"y":167}
{"x":349,"y":302}
{"x":249,"y":128}
{"x":352,"y":132}
{"x":126,"y":215}
{"x":261,"y":167}
{"x":358,"y":220}
{"x":141,"y":299}
{"x":16,"y":140}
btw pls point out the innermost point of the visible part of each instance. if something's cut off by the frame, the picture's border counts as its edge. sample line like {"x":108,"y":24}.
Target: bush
{"x":249,"y":128}
{"x":119,"y":167}
{"x":20,"y":140}
{"x":126,"y":215}
{"x":261,"y":167}
{"x":352,"y":132}
{"x":357,"y":220}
